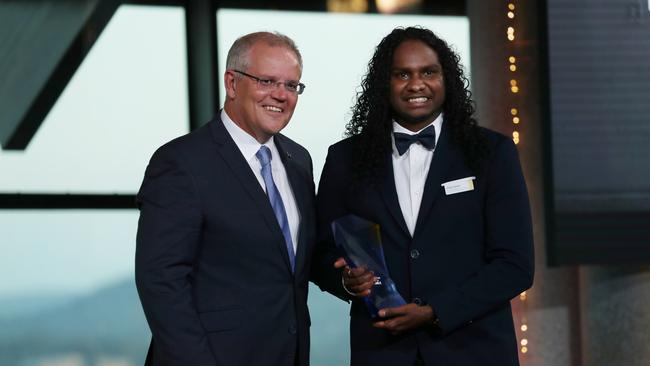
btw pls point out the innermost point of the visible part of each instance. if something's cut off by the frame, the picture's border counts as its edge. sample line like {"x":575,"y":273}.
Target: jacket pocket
{"x":220,"y":320}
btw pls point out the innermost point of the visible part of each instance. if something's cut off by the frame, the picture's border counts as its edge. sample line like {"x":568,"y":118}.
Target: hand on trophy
{"x":364,"y":273}
{"x":404,"y":318}
{"x":357,"y":281}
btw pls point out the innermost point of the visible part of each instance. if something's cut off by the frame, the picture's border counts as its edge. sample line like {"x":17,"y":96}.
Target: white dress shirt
{"x":411,"y":170}
{"x":249,"y":147}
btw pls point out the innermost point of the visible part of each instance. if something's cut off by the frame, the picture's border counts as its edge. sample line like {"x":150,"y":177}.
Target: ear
{"x":229,"y":82}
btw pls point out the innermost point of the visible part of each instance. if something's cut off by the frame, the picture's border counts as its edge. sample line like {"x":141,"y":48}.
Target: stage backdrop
{"x":67,"y":296}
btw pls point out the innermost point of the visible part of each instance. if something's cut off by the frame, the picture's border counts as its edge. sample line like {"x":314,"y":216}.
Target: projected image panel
{"x":127,"y":98}
{"x":68,"y":296}
{"x":336,"y":49}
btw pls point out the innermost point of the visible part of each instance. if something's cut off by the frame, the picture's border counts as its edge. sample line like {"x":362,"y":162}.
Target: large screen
{"x":68,"y":295}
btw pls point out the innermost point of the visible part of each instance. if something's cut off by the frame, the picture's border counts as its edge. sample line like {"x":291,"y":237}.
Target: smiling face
{"x":417,"y":87}
{"x":260,"y":112}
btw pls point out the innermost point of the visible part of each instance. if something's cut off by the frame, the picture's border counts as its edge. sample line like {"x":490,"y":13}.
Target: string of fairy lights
{"x":515,"y":116}
{"x":512,"y":66}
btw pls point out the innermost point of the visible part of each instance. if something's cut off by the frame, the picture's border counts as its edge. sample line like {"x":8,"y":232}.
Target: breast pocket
{"x":463,"y":203}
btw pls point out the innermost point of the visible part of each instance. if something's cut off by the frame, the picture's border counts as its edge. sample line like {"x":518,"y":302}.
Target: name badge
{"x":459,"y":185}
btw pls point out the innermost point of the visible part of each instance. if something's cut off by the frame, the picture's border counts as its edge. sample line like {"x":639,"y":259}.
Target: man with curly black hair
{"x":452,"y":205}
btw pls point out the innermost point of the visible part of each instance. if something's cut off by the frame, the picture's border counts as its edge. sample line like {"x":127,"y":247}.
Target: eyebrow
{"x":406,"y":68}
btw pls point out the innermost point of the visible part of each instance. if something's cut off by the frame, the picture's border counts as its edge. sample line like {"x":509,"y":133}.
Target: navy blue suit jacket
{"x":212,"y":269}
{"x":470,"y":254}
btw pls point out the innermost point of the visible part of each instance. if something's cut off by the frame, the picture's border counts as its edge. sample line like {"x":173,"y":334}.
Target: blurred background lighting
{"x":396,"y":6}
{"x":347,"y":6}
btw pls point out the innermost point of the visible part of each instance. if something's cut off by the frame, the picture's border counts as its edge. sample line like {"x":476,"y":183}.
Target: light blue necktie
{"x":264,"y":156}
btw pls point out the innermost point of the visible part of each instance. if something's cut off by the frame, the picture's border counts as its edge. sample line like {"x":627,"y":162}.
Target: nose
{"x":279,"y":92}
{"x":416,"y":83}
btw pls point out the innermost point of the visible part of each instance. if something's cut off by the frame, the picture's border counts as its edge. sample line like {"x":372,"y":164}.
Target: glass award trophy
{"x":360,"y":241}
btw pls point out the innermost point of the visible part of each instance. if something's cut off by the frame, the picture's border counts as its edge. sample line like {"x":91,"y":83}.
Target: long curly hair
{"x":372,"y":115}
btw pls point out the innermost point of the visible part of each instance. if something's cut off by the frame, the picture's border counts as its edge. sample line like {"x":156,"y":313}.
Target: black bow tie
{"x":426,"y":137}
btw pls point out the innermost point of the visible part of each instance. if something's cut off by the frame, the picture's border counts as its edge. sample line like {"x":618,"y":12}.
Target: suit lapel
{"x":300,"y":190}
{"x":442,"y":159}
{"x":388,"y":193}
{"x":242,"y":171}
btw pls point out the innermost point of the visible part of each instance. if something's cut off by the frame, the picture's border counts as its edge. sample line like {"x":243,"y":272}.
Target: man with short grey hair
{"x":237,"y":55}
{"x":227,"y":224}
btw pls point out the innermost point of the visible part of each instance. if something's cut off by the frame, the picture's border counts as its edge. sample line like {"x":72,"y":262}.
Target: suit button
{"x":415,"y":253}
{"x":417,"y":301}
{"x":293,"y":330}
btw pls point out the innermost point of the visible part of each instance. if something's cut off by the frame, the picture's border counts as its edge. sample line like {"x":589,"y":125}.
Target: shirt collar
{"x":437,"y":126}
{"x":245,"y":142}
